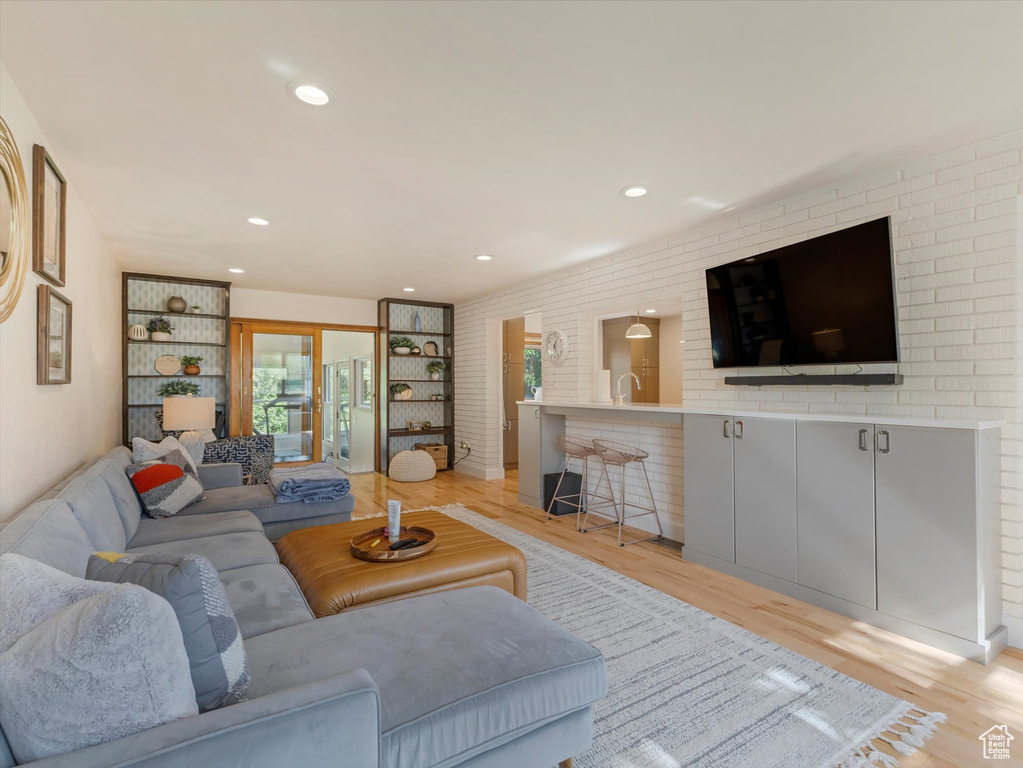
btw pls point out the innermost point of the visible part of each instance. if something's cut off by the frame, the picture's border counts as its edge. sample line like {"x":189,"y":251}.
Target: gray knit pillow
{"x":100,"y":669}
{"x":216,"y":656}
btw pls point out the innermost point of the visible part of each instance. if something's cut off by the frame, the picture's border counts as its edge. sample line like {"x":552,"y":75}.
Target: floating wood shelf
{"x":165,"y":313}
{"x":414,"y":432}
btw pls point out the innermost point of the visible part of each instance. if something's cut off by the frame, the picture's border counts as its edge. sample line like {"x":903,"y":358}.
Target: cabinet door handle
{"x":864,"y":440}
{"x":738,"y":430}
{"x":727,"y":431}
{"x":536,"y":413}
{"x":887,"y":442}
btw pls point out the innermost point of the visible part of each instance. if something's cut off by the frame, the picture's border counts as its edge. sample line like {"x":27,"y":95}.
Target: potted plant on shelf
{"x":191,"y":365}
{"x":179,"y":389}
{"x":401,"y":391}
{"x":196,"y":309}
{"x":160,"y":329}
{"x":402,"y":345}
{"x":436,"y":368}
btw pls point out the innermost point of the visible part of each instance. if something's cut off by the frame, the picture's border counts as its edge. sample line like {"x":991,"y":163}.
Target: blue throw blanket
{"x":308,"y":484}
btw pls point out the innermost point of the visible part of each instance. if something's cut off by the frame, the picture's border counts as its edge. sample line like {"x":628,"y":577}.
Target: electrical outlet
{"x":465,"y":446}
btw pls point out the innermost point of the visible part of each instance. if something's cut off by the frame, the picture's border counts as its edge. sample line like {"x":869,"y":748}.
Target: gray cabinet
{"x":765,"y":496}
{"x":927,"y":547}
{"x":538,"y":451}
{"x":709,"y":501}
{"x":835,"y":509}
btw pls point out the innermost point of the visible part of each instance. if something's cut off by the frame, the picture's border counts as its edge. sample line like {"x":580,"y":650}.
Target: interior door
{"x":341,"y":415}
{"x":514,"y":378}
{"x":362,"y":448}
{"x":283,"y":400}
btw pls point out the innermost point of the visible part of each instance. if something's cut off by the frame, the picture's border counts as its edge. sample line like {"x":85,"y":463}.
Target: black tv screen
{"x":823,"y":301}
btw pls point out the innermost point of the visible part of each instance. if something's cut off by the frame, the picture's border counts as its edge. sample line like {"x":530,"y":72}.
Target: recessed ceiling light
{"x":635,"y":191}
{"x":408,"y":290}
{"x":483,"y":257}
{"x":650,"y":311}
{"x":236,"y":270}
{"x":311,"y":92}
{"x":257,"y":221}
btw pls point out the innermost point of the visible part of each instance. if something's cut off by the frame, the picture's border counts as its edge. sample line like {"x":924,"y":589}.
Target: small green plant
{"x":196,"y":307}
{"x":398,"y":387}
{"x":173,"y":388}
{"x":160,"y":325}
{"x":402,"y":341}
{"x":436,"y":366}
{"x":427,"y":424}
{"x":189,"y":360}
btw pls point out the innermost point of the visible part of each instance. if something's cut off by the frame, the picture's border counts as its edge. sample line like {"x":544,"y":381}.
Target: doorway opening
{"x":522,"y":377}
{"x":349,"y":419}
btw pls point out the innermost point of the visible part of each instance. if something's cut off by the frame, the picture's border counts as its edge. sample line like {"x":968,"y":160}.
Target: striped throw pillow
{"x":165,"y":486}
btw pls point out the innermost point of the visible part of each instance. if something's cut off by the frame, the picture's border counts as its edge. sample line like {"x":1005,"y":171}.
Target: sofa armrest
{"x":324,"y":724}
{"x":227,"y":475}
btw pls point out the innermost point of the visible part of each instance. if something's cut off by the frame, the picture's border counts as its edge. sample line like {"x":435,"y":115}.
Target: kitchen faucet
{"x":621,"y":398}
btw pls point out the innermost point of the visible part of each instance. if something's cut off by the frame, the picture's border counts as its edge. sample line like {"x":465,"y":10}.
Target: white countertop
{"x":895,"y":421}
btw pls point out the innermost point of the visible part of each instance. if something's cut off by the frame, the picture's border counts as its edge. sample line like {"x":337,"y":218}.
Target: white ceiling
{"x":501,"y":127}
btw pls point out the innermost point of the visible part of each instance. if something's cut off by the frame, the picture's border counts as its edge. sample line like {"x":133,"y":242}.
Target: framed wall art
{"x":53,"y":347}
{"x":49,"y":205}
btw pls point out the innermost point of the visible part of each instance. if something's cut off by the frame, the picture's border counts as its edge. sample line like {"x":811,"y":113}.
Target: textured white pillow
{"x":100,"y":669}
{"x":31,"y":592}
{"x":143,"y":450}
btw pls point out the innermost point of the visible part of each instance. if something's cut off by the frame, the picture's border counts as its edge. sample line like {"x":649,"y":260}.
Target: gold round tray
{"x":374,"y":546}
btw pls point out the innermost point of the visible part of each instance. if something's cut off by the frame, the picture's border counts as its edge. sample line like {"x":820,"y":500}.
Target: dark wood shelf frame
{"x":126,"y":312}
{"x":386,"y":377}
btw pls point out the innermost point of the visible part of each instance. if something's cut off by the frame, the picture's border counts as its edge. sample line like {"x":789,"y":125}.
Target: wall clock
{"x":555,"y":346}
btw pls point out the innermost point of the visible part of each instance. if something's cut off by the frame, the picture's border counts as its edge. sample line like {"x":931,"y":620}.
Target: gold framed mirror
{"x":14,"y":223}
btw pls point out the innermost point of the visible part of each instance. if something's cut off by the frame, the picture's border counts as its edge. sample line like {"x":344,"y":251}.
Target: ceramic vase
{"x":176,"y":304}
{"x":418,"y":324}
{"x":435,"y":376}
{"x":159,"y":336}
{"x":192,"y":370}
{"x":137,"y":332}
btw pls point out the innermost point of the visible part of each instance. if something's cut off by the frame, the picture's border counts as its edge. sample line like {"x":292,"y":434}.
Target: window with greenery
{"x":533,"y":370}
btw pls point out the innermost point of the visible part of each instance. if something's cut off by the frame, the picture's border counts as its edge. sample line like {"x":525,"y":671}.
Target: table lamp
{"x":191,"y":414}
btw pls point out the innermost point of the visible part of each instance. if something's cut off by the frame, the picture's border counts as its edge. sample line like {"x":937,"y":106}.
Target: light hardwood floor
{"x":974,"y":697}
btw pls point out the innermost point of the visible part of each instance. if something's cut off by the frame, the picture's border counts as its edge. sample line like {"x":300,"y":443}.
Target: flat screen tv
{"x":823,"y":301}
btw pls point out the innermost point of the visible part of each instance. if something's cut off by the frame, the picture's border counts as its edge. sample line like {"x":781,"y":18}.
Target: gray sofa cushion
{"x":264,"y":598}
{"x":514,"y":670}
{"x":260,"y":500}
{"x":226,"y":551}
{"x":216,"y":656}
{"x":49,"y":532}
{"x":125,"y":499}
{"x":71,"y":682}
{"x":90,"y":499}
{"x":179,"y":528}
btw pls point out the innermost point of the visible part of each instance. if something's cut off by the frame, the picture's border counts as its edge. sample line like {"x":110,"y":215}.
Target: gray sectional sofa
{"x":472,"y":677}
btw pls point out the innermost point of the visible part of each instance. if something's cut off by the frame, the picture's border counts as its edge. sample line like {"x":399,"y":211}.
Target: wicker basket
{"x":438,"y":451}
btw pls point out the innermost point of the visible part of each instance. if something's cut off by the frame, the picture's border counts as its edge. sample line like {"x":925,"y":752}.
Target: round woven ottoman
{"x":412,"y":467}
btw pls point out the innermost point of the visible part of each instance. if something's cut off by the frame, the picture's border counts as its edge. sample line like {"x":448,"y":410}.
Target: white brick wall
{"x":958,"y":236}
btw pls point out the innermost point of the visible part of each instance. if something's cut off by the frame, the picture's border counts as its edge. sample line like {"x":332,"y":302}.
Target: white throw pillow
{"x":31,"y":592}
{"x":143,"y":450}
{"x":100,"y":669}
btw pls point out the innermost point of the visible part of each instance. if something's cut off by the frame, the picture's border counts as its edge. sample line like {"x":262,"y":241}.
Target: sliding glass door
{"x":282,"y":394}
{"x":292,"y":384}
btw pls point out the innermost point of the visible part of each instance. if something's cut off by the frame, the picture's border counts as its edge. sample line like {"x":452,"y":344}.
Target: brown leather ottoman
{"x":333,"y":581}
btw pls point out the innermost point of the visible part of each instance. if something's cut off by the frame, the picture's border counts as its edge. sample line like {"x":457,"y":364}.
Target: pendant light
{"x":637,"y":330}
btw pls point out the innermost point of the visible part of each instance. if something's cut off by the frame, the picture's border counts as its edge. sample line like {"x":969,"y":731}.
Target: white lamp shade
{"x":638,"y":331}
{"x":185,"y":413}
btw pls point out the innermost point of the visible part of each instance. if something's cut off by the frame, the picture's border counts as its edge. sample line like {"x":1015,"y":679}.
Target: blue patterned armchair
{"x":254,"y":452}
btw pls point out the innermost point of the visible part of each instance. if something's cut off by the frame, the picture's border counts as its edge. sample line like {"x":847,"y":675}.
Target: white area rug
{"x":688,"y":689}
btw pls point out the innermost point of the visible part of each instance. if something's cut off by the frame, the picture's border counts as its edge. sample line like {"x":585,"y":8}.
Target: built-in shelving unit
{"x":204,"y":334}
{"x":436,"y":323}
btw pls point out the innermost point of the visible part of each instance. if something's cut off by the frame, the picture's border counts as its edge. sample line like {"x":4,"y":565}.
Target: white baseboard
{"x":1015,"y":627}
{"x":483,"y":473}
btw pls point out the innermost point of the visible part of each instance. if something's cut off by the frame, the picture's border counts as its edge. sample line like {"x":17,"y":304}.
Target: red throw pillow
{"x":167,"y":485}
